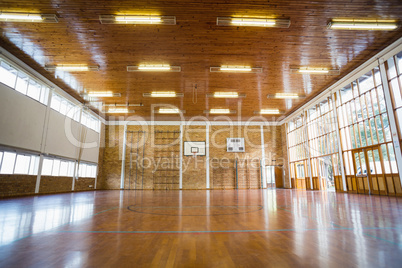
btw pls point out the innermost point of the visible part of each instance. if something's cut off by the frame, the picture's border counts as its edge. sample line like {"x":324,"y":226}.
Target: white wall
{"x":91,"y":154}
{"x":57,"y":142}
{"x":21,"y":120}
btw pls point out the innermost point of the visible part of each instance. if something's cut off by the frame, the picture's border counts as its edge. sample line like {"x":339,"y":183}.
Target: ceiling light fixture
{"x":220,"y":111}
{"x":353,"y":24}
{"x":170,"y":111}
{"x":268,"y":111}
{"x":123,"y":105}
{"x":101,"y":94}
{"x":28,"y":17}
{"x":253,"y":22}
{"x":308,"y":70}
{"x":119,"y":111}
{"x":137,"y":19}
{"x":236,"y":69}
{"x":153,"y":68}
{"x":71,"y":68}
{"x":227,"y":95}
{"x":163,"y":94}
{"x":285,"y":96}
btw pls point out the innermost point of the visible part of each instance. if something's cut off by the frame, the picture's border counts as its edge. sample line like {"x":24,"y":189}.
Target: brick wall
{"x":50,"y":184}
{"x":16,"y":185}
{"x":194,"y":170}
{"x":84,"y":184}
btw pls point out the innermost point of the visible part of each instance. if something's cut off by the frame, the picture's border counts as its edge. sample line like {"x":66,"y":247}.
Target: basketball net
{"x":195,"y":155}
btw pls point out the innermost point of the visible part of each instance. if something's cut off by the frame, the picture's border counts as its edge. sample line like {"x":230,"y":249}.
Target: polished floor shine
{"x":247,"y":228}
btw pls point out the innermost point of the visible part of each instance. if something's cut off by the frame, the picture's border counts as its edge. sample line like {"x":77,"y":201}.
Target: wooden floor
{"x":247,"y":228}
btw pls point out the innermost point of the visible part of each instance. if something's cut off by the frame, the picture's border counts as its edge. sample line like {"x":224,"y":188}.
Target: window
{"x":87,"y":170}
{"x":7,"y":166}
{"x":18,"y":163}
{"x":58,"y":167}
{"x":394,"y":74}
{"x":22,"y":164}
{"x":47,"y":167}
{"x":65,"y":107}
{"x":8,"y":74}
{"x":22,"y":82}
{"x":90,"y":121}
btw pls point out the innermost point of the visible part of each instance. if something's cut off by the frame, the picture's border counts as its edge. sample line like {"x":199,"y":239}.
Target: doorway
{"x":300,"y":175}
{"x":274,"y":176}
{"x":369,"y":170}
{"x":326,"y":173}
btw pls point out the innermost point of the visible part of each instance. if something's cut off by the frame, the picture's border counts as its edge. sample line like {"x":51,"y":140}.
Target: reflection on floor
{"x":253,"y":228}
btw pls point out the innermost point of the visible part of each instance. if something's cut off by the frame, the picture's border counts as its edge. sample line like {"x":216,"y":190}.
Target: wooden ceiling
{"x":196,"y":43}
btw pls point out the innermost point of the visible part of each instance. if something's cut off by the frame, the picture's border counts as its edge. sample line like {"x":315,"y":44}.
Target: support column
{"x":78,"y":152}
{"x":123,"y":158}
{"x":264,"y":178}
{"x":308,"y":152}
{"x":338,"y":136}
{"x":288,"y":154}
{"x":43,"y":141}
{"x":181,"y":157}
{"x":207,"y":154}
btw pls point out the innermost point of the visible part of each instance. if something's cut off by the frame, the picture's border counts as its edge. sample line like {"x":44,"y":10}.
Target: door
{"x":369,"y":169}
{"x":279,"y":176}
{"x":270,"y":175}
{"x":300,"y":176}
{"x":376,"y":171}
{"x":322,"y":173}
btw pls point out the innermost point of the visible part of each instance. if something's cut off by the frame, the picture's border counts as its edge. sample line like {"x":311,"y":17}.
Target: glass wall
{"x":357,"y":114}
{"x":394,"y":75}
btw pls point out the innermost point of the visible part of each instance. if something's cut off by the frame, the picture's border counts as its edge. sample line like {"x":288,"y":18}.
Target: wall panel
{"x":21,"y":120}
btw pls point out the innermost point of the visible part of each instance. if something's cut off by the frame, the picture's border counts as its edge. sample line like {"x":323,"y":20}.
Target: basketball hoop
{"x":195,"y":155}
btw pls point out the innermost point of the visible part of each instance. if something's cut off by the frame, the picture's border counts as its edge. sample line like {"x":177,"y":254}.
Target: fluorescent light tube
{"x":308,"y":70}
{"x":219,"y":111}
{"x":141,"y":19}
{"x":286,"y":96}
{"x":95,"y":94}
{"x":168,"y":111}
{"x":27,"y":17}
{"x":137,"y":19}
{"x":237,"y":69}
{"x":163,"y":94}
{"x":315,"y":71}
{"x":154,"y":68}
{"x":362,"y":25}
{"x":253,"y":22}
{"x":21,"y":16}
{"x":226,"y":95}
{"x":269,"y":111}
{"x":118,"y":111}
{"x":71,"y":68}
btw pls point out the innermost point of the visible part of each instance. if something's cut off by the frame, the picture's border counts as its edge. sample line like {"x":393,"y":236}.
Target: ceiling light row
{"x":344,"y":24}
{"x":113,"y":109}
{"x":168,"y":68}
{"x":172,"y":94}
